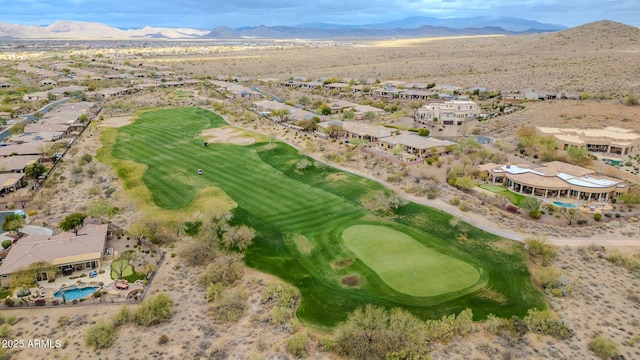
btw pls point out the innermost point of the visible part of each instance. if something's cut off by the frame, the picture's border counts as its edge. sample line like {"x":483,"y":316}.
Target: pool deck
{"x":46,"y":290}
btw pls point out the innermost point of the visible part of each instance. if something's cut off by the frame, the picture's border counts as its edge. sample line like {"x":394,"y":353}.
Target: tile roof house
{"x":416,"y":145}
{"x":608,"y":141}
{"x":68,"y":251}
{"x":555,"y":179}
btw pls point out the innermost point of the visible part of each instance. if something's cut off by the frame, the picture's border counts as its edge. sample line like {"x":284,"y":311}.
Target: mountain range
{"x":405,"y":28}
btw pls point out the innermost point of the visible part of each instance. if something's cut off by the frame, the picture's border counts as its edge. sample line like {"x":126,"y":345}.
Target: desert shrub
{"x":548,"y":277}
{"x":280,"y":315}
{"x":628,"y":262}
{"x":604,"y":348}
{"x":326,"y":344}
{"x":541,"y":322}
{"x":9,"y":302}
{"x":231,"y":305}
{"x":85,"y":159}
{"x":597,"y":216}
{"x":375,"y":333}
{"x":101,"y":335}
{"x":283,"y":295}
{"x":298,"y":345}
{"x":214,"y":291}
{"x":535,"y":214}
{"x":5,"y":331}
{"x":163,"y":339}
{"x":6,"y":244}
{"x":495,"y":325}
{"x":633,"y":296}
{"x":450,"y":326}
{"x":221,"y":272}
{"x":154,"y":311}
{"x":512,"y":209}
{"x":542,"y":251}
{"x":582,"y":221}
{"x":455,"y":201}
{"x":123,"y":317}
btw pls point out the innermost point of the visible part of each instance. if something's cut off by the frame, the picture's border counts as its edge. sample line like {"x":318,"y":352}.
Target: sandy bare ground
{"x":116,"y":122}
{"x":227,"y":135}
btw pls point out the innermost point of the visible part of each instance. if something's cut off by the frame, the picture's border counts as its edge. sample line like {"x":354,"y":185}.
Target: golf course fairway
{"x":313,"y":229}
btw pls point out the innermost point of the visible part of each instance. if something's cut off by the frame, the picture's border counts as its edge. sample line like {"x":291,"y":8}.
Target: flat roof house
{"x":452,"y":112}
{"x":68,"y":251}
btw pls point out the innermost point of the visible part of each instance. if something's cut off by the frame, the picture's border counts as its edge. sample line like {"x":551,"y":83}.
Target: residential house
{"x":10,"y":182}
{"x":365,"y":132}
{"x":386,"y":92}
{"x":48,"y":82}
{"x":66,"y":251}
{"x":336,"y":86}
{"x":452,"y":112}
{"x":337,"y":106}
{"x":608,"y":141}
{"x":362,"y":111}
{"x":58,"y":91}
{"x":17,"y":164}
{"x":557,"y":180}
{"x":416,"y":145}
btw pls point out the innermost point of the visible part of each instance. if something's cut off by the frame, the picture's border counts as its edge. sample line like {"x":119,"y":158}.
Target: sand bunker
{"x":227,"y":135}
{"x":116,"y":122}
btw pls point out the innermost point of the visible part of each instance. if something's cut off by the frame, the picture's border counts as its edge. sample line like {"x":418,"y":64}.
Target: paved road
{"x":31,"y":118}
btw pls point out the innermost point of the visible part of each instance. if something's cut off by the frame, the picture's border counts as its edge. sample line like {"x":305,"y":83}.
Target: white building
{"x":452,"y":112}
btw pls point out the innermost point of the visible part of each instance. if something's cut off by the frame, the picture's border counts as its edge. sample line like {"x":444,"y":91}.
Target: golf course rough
{"x":301,"y":216}
{"x":406,"y":265}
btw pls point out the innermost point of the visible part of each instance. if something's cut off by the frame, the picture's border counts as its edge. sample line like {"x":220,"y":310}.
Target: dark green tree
{"x":73,"y":222}
{"x":12,"y":223}
{"x":35,"y":170}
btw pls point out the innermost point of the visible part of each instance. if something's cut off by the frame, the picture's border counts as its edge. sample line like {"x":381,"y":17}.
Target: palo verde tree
{"x":73,"y":222}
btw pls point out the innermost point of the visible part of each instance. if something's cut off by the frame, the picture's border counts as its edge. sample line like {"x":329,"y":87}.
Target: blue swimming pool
{"x":73,"y":292}
{"x":566,"y":205}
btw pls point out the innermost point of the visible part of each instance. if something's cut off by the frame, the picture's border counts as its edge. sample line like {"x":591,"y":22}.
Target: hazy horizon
{"x":190,"y":14}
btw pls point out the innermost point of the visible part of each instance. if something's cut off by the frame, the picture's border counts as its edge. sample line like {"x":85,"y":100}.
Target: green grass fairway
{"x":300,"y":217}
{"x":406,"y":265}
{"x":515,"y":199}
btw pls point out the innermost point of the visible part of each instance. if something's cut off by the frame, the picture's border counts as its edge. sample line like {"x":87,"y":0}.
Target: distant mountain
{"x":414,"y":22}
{"x":65,"y":29}
{"x":417,"y":26}
{"x":507,"y":23}
{"x":299,"y":32}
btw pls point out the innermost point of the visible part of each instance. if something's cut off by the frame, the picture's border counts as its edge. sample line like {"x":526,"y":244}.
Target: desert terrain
{"x":599,"y":59}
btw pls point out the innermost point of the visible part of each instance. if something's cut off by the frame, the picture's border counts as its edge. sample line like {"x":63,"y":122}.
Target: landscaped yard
{"x":515,"y":199}
{"x":311,"y":227}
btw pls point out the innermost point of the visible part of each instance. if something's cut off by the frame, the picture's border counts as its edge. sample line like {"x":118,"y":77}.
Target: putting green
{"x":406,"y":265}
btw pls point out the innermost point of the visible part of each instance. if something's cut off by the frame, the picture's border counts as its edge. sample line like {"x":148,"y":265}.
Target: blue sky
{"x":208,"y":14}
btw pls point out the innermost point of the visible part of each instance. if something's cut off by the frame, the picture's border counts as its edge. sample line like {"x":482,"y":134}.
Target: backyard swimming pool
{"x":74,"y":293}
{"x":566,"y":205}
